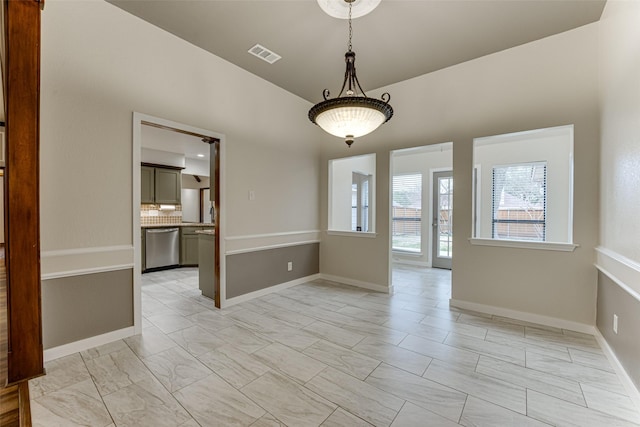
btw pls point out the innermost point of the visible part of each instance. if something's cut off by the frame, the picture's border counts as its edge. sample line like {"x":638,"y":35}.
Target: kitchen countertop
{"x":183,"y":224}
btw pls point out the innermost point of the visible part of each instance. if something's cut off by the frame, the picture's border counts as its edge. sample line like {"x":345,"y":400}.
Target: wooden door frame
{"x":21,"y":74}
{"x":214,"y":160}
{"x":140,"y":119}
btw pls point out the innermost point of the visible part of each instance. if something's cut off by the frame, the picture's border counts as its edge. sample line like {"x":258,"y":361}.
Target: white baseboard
{"x":269,"y":290}
{"x":358,"y":283}
{"x":86,"y":344}
{"x":628,"y":384}
{"x":405,"y":261}
{"x":527,"y":317}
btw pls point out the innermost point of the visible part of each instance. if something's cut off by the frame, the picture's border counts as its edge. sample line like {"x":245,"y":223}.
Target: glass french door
{"x":442,"y":224}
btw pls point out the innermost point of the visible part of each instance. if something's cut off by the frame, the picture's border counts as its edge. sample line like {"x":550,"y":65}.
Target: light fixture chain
{"x":350,"y":29}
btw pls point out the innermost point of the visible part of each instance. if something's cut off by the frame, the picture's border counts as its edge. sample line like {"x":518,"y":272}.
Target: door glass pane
{"x":445,"y":217}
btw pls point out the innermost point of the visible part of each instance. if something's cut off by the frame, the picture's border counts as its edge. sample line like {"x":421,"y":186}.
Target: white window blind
{"x":520,"y":201}
{"x":407,"y":212}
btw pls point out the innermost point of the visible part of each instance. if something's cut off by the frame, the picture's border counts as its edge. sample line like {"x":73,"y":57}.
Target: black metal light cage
{"x":352,"y":99}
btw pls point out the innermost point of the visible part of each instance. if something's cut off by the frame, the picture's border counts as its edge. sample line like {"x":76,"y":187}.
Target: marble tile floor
{"x":324,"y":354}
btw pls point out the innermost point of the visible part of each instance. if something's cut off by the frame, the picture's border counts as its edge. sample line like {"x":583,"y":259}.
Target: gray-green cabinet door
{"x":168,"y":185}
{"x":206,"y":274}
{"x":147,"y":184}
{"x":189,"y":255}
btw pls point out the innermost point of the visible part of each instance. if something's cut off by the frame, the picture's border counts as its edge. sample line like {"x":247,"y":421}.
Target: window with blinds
{"x":407,"y":212}
{"x":520,"y":201}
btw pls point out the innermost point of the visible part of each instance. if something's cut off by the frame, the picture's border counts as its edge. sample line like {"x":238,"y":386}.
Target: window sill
{"x":547,"y":246}
{"x":352,"y":233}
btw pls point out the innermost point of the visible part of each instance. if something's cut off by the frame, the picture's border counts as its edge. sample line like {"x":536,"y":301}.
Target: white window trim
{"x":368,"y":234}
{"x":557,"y":246}
{"x":372,"y":199}
{"x":524,"y":244}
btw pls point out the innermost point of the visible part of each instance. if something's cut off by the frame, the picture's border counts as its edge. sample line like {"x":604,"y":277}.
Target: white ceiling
{"x":399,"y":40}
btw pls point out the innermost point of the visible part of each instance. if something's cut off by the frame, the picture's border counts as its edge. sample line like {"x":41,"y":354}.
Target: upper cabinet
{"x":168,"y":185}
{"x":147,"y":184}
{"x":160,"y":185}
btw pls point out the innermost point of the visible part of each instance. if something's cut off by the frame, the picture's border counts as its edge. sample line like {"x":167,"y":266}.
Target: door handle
{"x":163,"y":230}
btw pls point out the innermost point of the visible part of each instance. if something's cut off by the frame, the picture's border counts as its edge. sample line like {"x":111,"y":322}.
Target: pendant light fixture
{"x":354,"y":114}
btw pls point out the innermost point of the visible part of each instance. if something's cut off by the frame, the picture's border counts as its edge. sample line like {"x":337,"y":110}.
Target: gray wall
{"x":79,"y":307}
{"x":253,"y":271}
{"x":612,"y":299}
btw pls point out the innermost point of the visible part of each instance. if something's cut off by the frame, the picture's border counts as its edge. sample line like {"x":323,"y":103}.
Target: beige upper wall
{"x":99,"y":65}
{"x":620,"y":151}
{"x":546,"y":83}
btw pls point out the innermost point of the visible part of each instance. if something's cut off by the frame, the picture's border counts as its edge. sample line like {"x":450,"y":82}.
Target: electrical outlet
{"x":252,"y":195}
{"x":290,"y":266}
{"x":615,"y":323}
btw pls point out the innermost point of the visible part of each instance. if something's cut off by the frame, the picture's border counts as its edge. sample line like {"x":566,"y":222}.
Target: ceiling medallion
{"x":354,"y":114}
{"x":340,"y":8}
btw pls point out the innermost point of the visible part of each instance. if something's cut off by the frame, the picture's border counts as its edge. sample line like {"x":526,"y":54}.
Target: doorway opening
{"x":421,"y":214}
{"x":205,"y":148}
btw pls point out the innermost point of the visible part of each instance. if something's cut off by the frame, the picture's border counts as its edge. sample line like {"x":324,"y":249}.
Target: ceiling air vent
{"x":264,"y":54}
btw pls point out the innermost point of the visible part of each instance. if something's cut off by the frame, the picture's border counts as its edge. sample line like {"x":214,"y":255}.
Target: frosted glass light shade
{"x":350,"y":117}
{"x":350,"y":121}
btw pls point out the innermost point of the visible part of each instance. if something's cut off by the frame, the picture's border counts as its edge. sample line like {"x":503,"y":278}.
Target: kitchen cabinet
{"x":160,"y":185}
{"x":206,"y":260}
{"x":189,"y":245}
{"x":147,"y":184}
{"x":168,"y":185}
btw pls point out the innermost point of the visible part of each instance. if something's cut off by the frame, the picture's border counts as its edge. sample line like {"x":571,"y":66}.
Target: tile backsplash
{"x":152,"y":215}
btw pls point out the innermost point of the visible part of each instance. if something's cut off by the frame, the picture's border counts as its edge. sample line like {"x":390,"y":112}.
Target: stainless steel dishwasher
{"x":162,"y":247}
